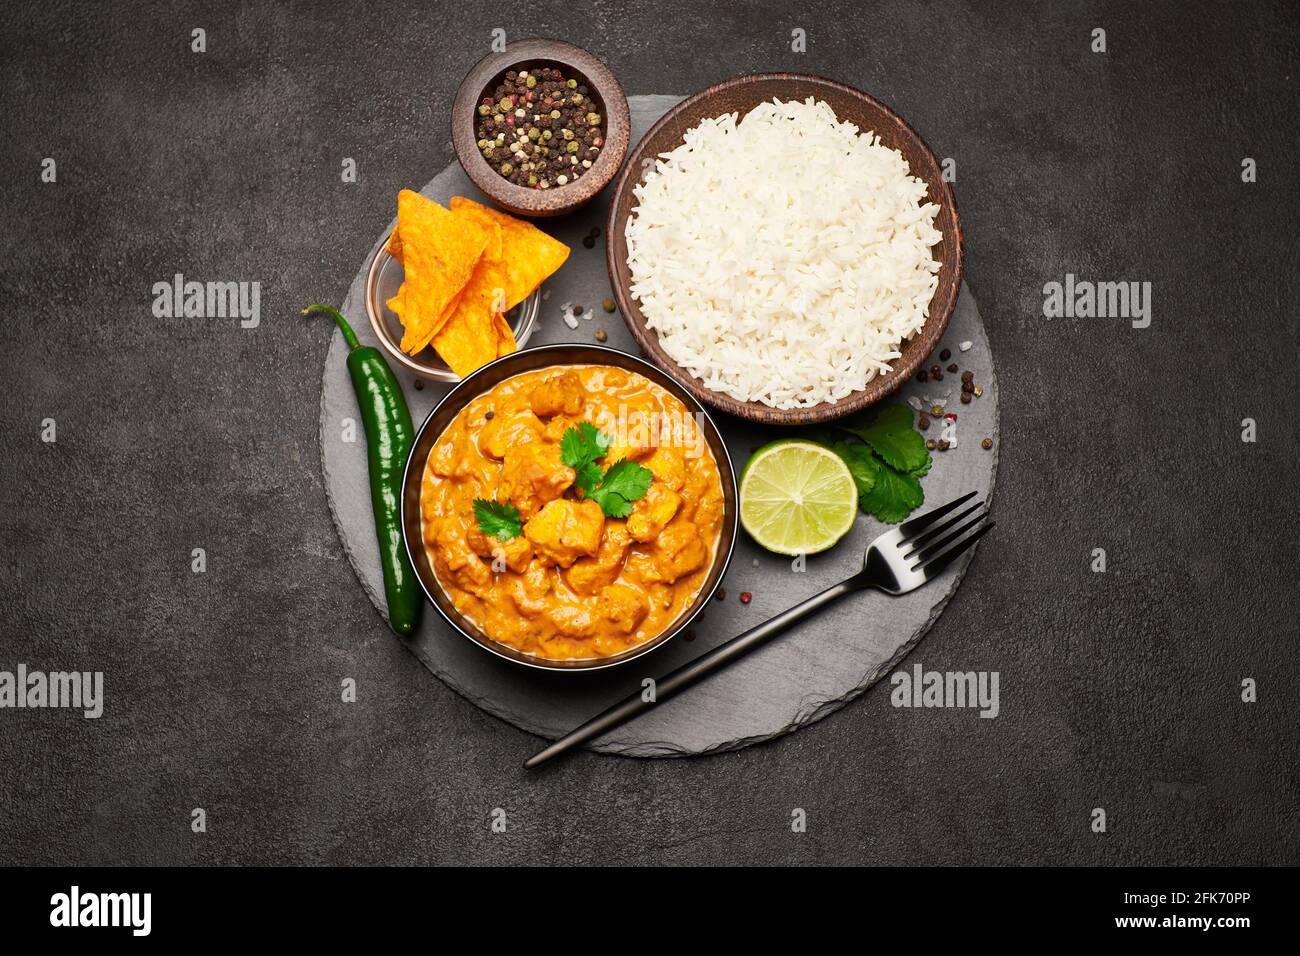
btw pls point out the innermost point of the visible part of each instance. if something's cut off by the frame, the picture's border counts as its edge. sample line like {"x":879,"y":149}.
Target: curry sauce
{"x":575,"y":584}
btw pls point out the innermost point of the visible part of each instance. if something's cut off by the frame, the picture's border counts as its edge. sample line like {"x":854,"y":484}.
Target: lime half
{"x":797,"y":497}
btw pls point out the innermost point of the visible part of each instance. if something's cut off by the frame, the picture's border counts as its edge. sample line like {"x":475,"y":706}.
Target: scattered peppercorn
{"x":952,"y":367}
{"x":607,"y":305}
{"x":720,"y":594}
{"x":689,"y":635}
{"x":588,"y":242}
{"x":936,"y":372}
{"x":517,"y":123}
{"x":943,"y":444}
{"x":577,"y":310}
{"x":419,"y":384}
{"x":930,"y":443}
{"x":945,"y":355}
{"x":746,"y":597}
{"x":490,"y":415}
{"x":968,"y":376}
{"x":601,"y":335}
{"x":595,"y":232}
{"x":923,"y":422}
{"x":986,"y":444}
{"x":965,"y":398}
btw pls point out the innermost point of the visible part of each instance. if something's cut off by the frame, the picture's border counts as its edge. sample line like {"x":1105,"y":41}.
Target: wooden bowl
{"x":573,"y":62}
{"x":741,"y":95}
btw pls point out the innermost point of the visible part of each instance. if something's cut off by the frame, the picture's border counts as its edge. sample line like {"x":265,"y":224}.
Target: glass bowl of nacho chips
{"x":456,"y":287}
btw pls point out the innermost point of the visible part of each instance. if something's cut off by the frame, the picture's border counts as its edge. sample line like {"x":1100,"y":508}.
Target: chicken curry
{"x":599,"y":510}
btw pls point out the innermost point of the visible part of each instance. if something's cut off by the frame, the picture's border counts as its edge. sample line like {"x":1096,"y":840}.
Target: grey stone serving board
{"x":809,"y":672}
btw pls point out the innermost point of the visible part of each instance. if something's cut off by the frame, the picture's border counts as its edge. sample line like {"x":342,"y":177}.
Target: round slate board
{"x":802,"y":676}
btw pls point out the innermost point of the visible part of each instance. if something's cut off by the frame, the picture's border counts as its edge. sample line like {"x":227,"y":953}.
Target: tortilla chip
{"x":505,"y":335}
{"x":529,"y":255}
{"x":470,"y":337}
{"x":439,"y":251}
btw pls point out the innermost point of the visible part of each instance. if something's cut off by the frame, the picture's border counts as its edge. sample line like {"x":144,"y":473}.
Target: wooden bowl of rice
{"x":769,"y":352}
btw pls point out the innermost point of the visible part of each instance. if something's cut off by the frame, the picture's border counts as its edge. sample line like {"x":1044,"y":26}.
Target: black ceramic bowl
{"x":485,"y":379}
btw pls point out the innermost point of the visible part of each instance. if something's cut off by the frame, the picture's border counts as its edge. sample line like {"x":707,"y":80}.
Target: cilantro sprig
{"x":887,"y":458}
{"x":615,"y":488}
{"x":497,"y":519}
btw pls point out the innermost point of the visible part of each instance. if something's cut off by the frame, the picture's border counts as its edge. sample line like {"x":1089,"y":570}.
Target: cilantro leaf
{"x":892,"y":437}
{"x":624,"y":483}
{"x":863,"y":465}
{"x":580,"y":446}
{"x":588,"y":477}
{"x":894,"y":495}
{"x":497,"y":519}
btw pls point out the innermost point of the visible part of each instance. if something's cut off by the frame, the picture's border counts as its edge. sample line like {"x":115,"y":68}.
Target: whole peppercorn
{"x":952,"y":367}
{"x":945,"y":355}
{"x":986,"y":444}
{"x":923,"y":422}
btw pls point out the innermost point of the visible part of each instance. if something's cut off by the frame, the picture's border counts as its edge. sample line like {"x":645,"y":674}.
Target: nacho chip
{"x":439,"y":251}
{"x":529,"y":255}
{"x":505,"y":336}
{"x":470,"y":337}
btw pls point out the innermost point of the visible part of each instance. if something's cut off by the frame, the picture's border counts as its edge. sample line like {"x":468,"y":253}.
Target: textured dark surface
{"x":1118,"y":690}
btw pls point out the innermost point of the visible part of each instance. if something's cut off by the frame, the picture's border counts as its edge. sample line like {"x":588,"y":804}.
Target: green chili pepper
{"x":389,"y":436}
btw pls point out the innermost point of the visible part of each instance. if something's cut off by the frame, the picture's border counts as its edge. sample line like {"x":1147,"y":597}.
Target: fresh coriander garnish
{"x":887,"y":461}
{"x":614,"y":490}
{"x":497,"y":519}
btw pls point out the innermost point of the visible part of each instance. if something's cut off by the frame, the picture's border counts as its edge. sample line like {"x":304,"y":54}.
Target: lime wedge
{"x":797,"y":497}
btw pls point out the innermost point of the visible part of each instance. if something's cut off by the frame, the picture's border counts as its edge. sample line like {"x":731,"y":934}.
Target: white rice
{"x":783,"y":258}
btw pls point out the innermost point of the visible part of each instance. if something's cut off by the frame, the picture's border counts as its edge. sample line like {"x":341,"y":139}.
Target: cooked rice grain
{"x":783,"y":258}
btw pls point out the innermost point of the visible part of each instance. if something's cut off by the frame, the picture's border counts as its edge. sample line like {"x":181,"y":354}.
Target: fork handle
{"x":692,"y":673}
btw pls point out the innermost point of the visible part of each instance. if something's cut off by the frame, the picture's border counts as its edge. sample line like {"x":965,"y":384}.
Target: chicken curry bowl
{"x":573,"y":513}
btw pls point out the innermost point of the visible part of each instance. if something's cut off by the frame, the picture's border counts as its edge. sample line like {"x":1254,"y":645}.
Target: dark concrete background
{"x":1119,"y":690}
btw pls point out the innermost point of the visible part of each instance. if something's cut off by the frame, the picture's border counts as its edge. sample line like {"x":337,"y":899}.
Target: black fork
{"x":897,"y":562}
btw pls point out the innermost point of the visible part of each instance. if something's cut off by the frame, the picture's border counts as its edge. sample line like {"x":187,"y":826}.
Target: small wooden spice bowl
{"x":741,"y":95}
{"x":575,"y":63}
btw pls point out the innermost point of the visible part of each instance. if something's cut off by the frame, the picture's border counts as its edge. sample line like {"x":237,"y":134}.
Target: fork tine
{"x":953,"y":533}
{"x":921,"y":522}
{"x":920,"y":540}
{"x":936,"y":565}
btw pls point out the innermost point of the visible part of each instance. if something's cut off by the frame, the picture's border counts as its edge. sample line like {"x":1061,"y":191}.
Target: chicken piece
{"x":589,"y":575}
{"x":641,"y":568}
{"x":623,"y":606}
{"x":708,"y":511}
{"x":507,"y":431}
{"x":561,"y":393}
{"x":513,"y":555}
{"x":533,"y":475}
{"x":529,"y":592}
{"x":669,"y":466}
{"x":678,"y":551}
{"x":557,"y":426}
{"x":636,"y":434}
{"x":456,"y":560}
{"x":566,"y":530}
{"x":652,"y":513}
{"x":572,"y":620}
{"x":450,"y":458}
